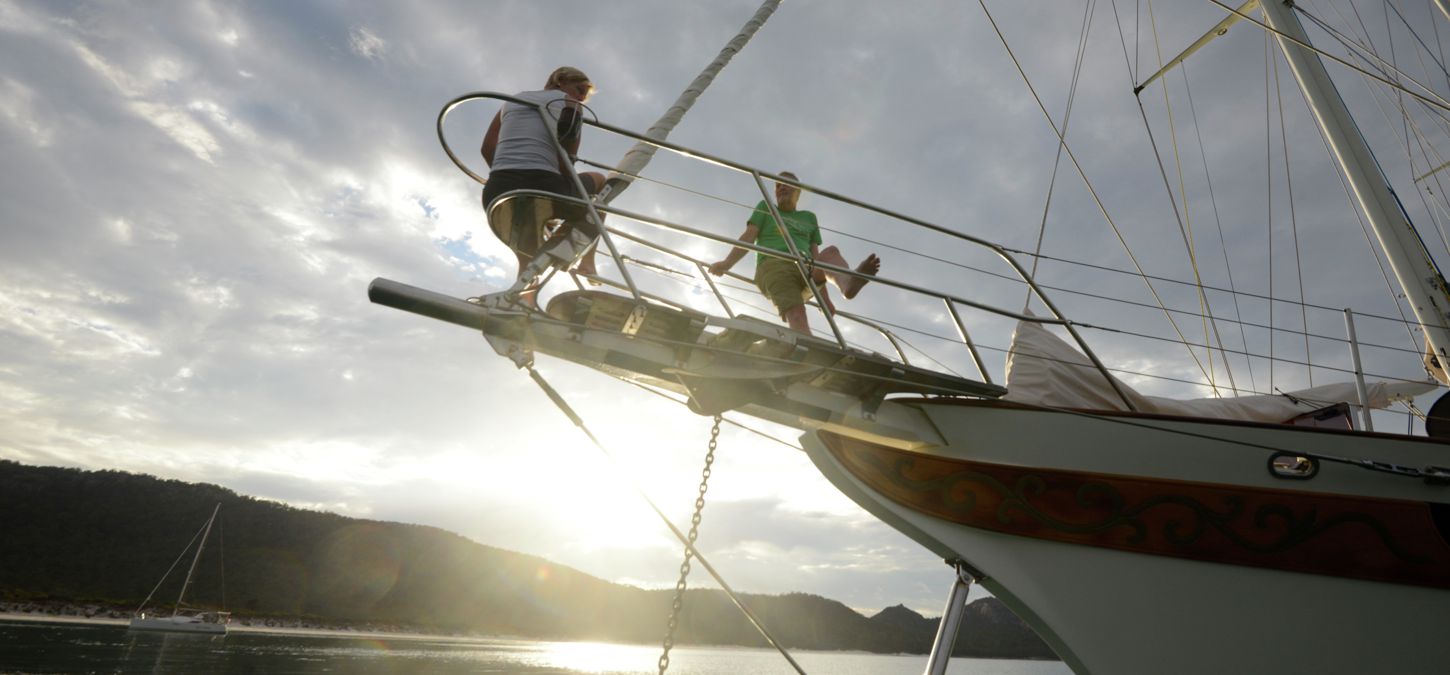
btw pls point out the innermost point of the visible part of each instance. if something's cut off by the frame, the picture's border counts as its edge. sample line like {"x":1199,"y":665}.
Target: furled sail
{"x":1042,"y":369}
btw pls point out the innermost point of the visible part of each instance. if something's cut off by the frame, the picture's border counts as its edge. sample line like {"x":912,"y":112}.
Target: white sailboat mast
{"x":1412,"y":265}
{"x":635,"y":160}
{"x":192,"y":570}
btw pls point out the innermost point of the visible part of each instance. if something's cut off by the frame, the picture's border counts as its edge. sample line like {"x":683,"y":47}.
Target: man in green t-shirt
{"x":779,"y":278}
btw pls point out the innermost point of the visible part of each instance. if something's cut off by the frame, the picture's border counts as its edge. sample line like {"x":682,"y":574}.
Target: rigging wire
{"x":169,"y":570}
{"x":1440,"y":47}
{"x":678,"y":279}
{"x":1358,"y":51}
{"x":1407,"y":121}
{"x":1372,"y":465}
{"x":1183,"y":216}
{"x":669,"y":396}
{"x":1003,"y":350}
{"x":1066,"y":261}
{"x":1245,"y":353}
{"x":1247,"y":294}
{"x":1438,"y":210}
{"x":1373,"y":251}
{"x":568,"y":411}
{"x":1115,"y":300}
{"x":1123,"y":40}
{"x":1364,"y":226}
{"x":1066,"y":118}
{"x":221,"y":557}
{"x":1222,"y":241}
{"x":1438,"y":101}
{"x":1418,"y":39}
{"x":1269,"y":58}
{"x":1338,"y":311}
{"x":946,"y":391}
{"x":1097,"y":200}
{"x":1395,"y":63}
{"x":1136,"y":67}
{"x":1293,"y":217}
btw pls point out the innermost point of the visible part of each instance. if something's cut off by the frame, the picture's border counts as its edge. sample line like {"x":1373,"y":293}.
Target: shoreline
{"x":41,"y":617}
{"x":305,"y":631}
{"x":100,"y":614}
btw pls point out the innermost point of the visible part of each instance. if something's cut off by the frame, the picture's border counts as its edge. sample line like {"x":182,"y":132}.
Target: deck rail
{"x":608,"y":234}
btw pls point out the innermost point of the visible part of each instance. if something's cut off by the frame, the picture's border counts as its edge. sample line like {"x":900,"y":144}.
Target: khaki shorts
{"x":781,"y":281}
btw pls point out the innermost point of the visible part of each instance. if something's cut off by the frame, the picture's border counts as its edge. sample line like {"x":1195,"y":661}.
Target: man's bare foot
{"x":869,"y":267}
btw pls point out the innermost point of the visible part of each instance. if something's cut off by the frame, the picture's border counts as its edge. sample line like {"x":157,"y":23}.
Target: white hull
{"x":178,"y":624}
{"x":1132,"y":544}
{"x":1124,"y":612}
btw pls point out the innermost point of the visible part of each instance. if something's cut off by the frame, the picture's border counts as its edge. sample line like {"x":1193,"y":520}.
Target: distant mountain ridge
{"x":106,"y":536}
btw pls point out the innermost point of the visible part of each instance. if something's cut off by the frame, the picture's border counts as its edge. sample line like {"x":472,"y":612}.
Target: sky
{"x":196,"y":196}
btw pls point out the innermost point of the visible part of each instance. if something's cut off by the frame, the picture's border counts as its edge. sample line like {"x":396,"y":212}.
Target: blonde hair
{"x":567,"y":75}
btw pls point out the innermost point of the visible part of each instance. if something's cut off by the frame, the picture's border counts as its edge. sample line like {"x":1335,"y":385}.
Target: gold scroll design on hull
{"x":1358,"y":537}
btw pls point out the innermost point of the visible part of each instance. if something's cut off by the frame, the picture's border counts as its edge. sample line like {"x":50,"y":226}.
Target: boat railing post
{"x":967,"y":339}
{"x":593,"y":213}
{"x":951,"y":620}
{"x":1358,"y":371}
{"x":705,"y":274}
{"x":800,"y":262}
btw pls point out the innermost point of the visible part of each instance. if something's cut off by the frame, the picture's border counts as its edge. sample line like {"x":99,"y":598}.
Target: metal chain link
{"x":679,"y":601}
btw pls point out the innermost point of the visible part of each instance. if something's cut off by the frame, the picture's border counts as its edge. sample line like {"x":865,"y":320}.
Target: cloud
{"x":196,"y":198}
{"x":367,"y":45}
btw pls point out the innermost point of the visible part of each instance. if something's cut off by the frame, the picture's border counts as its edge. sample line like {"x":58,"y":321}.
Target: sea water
{"x":87,"y":647}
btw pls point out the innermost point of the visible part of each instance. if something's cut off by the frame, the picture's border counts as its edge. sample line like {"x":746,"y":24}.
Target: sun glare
{"x":605,"y":513}
{"x":594,"y":657}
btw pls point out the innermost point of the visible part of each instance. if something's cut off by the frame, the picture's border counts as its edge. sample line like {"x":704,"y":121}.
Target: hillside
{"x":106,"y":536}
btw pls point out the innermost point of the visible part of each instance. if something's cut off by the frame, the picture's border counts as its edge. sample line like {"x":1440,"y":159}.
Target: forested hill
{"x":107,"y":537}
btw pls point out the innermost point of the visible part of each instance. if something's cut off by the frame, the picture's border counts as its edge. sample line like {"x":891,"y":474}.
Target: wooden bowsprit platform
{"x":756,"y":367}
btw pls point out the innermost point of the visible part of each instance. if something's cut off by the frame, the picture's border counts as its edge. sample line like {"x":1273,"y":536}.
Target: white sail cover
{"x":1044,"y":370}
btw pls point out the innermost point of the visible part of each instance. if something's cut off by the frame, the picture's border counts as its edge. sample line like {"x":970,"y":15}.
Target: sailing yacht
{"x":184,"y":619}
{"x":1274,"y":532}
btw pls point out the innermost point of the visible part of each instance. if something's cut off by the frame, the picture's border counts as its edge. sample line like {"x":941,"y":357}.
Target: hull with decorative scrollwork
{"x":1131,"y":543}
{"x":1142,"y":544}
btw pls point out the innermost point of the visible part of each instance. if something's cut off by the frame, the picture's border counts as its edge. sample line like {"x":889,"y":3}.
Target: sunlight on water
{"x":39,"y":646}
{"x":594,"y":657}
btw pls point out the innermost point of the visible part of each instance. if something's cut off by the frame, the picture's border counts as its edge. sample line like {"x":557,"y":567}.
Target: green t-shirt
{"x":801,"y":224}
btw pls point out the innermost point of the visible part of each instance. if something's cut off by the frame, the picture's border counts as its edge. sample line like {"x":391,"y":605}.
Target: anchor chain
{"x":679,"y":601}
{"x":690,"y":549}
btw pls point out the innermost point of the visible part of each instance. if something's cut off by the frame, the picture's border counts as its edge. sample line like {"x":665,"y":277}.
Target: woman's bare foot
{"x":586,"y":269}
{"x":529,"y":299}
{"x":869,"y":267}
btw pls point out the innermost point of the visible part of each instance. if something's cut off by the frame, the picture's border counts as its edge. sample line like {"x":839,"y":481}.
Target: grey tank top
{"x":523,"y":140}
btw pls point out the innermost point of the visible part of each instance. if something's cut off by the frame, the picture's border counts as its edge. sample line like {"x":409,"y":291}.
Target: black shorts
{"x":528,"y":240}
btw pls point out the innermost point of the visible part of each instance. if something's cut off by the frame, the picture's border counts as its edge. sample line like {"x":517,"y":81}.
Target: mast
{"x":195,"y":559}
{"x":1413,"y":267}
{"x":635,"y":160}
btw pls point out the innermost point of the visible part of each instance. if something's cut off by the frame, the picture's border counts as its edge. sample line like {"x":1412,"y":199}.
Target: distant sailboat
{"x":183,"y":619}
